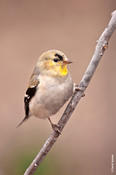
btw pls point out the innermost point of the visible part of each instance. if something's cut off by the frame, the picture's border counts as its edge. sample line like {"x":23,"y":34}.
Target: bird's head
{"x":54,"y":63}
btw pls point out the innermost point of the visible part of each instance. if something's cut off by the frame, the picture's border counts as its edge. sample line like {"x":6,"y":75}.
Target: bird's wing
{"x":30,"y":92}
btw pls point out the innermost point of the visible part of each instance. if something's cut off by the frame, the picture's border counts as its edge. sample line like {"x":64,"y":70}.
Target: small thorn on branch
{"x":77,"y":88}
{"x":105,"y":46}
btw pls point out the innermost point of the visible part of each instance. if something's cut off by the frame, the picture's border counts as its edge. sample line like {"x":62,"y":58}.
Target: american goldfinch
{"x":50,"y":86}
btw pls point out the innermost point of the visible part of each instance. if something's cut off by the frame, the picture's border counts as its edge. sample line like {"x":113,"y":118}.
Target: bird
{"x":50,"y":87}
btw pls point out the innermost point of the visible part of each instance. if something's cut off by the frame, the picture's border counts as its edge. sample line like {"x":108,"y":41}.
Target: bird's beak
{"x":67,"y":62}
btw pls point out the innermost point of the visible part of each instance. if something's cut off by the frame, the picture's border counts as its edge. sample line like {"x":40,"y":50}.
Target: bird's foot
{"x":56,"y":128}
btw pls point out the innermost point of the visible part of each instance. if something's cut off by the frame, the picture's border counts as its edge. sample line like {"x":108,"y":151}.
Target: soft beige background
{"x":29,"y":27}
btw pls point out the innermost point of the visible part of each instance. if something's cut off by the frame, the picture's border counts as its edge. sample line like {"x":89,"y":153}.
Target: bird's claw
{"x":56,"y":128}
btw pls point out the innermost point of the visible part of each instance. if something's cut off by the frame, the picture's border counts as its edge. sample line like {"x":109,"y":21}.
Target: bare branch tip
{"x":114,"y":12}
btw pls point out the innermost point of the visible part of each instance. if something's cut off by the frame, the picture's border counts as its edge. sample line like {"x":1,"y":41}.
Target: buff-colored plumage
{"x":50,"y":86}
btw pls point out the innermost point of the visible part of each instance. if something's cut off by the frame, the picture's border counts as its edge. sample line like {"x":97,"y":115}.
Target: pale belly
{"x":48,"y":101}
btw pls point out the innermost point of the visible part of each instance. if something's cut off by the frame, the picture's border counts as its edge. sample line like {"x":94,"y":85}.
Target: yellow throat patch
{"x":60,"y":69}
{"x":63,"y":70}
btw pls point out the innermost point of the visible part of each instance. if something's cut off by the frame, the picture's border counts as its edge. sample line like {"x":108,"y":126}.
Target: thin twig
{"x":101,"y":46}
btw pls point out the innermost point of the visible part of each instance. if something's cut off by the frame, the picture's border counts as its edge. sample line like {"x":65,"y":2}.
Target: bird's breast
{"x":50,"y":96}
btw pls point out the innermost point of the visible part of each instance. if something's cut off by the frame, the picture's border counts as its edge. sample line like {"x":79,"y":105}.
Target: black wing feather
{"x":30,"y":93}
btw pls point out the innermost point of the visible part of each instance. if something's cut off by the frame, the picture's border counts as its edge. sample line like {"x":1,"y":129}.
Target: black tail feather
{"x":26,"y":117}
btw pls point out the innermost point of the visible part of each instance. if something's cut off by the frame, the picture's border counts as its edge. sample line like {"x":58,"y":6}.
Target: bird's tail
{"x":26,"y":117}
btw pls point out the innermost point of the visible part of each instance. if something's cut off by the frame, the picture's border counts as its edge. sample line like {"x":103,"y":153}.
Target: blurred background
{"x":27,"y":28}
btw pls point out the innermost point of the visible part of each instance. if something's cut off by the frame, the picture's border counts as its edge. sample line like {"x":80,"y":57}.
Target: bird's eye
{"x":56,"y":59}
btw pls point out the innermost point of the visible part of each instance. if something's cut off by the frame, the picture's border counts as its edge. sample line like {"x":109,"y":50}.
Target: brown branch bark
{"x":101,"y":46}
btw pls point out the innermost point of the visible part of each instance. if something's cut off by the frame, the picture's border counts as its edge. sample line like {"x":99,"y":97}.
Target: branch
{"x":101,"y":46}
